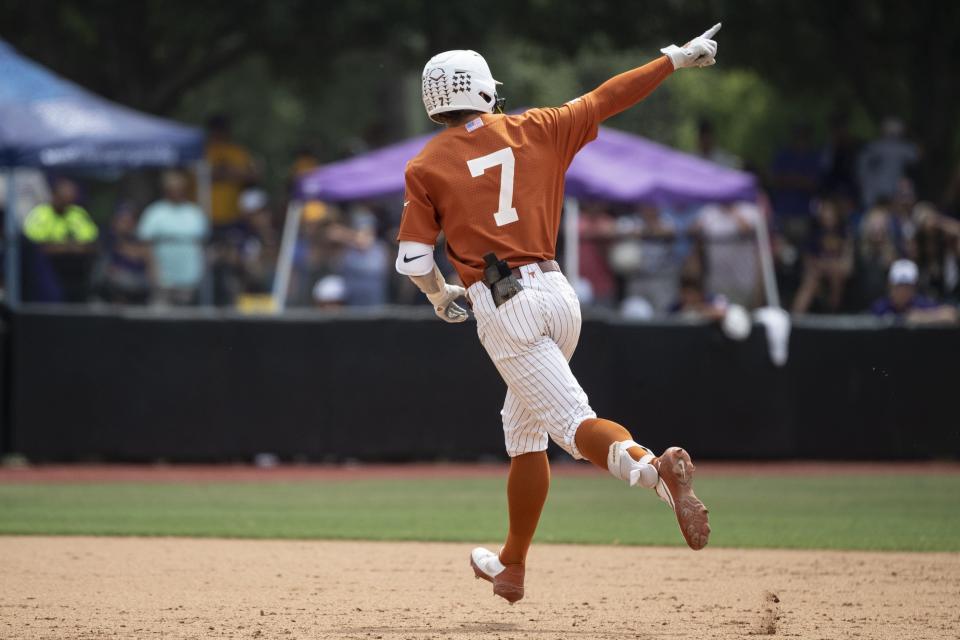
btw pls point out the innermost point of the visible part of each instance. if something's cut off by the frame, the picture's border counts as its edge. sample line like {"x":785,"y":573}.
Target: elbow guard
{"x":414,"y":258}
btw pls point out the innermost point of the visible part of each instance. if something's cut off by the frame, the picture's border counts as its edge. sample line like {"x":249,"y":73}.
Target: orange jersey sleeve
{"x":420,"y":221}
{"x":575,"y":124}
{"x":621,"y":92}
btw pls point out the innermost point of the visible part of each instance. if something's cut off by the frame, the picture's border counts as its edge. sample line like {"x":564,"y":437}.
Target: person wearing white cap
{"x":329,"y":292}
{"x":904,"y":301}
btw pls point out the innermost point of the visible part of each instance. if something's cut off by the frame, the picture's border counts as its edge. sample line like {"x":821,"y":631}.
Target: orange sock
{"x":527,"y":488}
{"x":594,"y":437}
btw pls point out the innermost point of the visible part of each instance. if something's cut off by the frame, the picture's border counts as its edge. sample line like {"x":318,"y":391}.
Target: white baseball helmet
{"x":458,"y":80}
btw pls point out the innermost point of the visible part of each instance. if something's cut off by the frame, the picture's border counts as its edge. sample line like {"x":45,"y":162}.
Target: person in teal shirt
{"x":176,"y":229}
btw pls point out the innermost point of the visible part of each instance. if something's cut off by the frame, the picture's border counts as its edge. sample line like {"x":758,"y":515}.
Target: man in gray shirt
{"x":884,"y":161}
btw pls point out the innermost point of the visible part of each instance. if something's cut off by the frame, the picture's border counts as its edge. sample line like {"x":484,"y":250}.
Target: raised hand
{"x":699,"y":52}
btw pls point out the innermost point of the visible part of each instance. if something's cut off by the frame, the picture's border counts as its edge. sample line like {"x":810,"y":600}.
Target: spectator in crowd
{"x":329,"y":292}
{"x":232,"y":169}
{"x":315,"y":250}
{"x":883,"y":162}
{"x":876,"y":251}
{"x":237,"y":249}
{"x":708,"y":150}
{"x":62,"y":247}
{"x":905,"y":303}
{"x":693,"y":301}
{"x":731,"y":262}
{"x":261,"y":242}
{"x":365,"y":261}
{"x":828,"y":260}
{"x":321,"y":246}
{"x":838,"y":160}
{"x":901,"y":212}
{"x":935,"y":245}
{"x":124,"y":270}
{"x":597,"y":230}
{"x":176,"y":229}
{"x":951,"y":196}
{"x":305,"y":160}
{"x":794,"y":179}
{"x":646,"y":257}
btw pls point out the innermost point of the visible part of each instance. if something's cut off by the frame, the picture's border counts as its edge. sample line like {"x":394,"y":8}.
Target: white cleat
{"x":675,"y":487}
{"x":507,"y":579}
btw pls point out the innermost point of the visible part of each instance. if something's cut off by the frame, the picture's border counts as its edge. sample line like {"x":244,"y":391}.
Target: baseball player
{"x":493,"y":184}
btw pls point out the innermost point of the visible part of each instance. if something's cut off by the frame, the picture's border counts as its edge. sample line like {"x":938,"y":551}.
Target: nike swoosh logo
{"x":405,"y":204}
{"x":406,"y":259}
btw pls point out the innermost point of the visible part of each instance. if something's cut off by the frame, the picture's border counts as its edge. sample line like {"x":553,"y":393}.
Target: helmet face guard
{"x":459,"y":80}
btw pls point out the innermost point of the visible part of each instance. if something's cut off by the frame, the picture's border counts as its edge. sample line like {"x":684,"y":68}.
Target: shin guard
{"x":634,"y":472}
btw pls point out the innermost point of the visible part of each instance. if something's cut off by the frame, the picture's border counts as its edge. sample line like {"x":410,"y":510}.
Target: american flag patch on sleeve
{"x":474,"y":124}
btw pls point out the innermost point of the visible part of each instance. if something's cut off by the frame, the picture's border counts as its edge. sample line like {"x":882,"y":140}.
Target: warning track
{"x":294,"y":473}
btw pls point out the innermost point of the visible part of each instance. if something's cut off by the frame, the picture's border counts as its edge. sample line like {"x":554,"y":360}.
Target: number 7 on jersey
{"x":505,"y":214}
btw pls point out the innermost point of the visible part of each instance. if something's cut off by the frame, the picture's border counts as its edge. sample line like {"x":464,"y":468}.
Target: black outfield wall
{"x":137,"y":386}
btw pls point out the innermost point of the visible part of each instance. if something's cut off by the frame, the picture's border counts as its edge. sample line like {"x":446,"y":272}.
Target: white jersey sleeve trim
{"x":414,"y":258}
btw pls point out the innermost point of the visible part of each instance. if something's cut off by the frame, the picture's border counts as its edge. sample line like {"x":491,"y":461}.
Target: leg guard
{"x":634,"y":472}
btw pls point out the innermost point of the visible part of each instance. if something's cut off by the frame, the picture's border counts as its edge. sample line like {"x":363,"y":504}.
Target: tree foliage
{"x":340,"y":72}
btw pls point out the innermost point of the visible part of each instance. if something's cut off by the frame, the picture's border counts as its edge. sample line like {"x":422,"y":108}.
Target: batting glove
{"x":444,"y":305}
{"x":699,"y":52}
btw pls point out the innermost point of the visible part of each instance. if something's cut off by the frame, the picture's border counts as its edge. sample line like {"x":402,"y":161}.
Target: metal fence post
{"x":571,"y":243}
{"x":281,"y":279}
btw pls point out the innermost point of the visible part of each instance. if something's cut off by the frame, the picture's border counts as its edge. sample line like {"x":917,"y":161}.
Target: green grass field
{"x":836,"y":512}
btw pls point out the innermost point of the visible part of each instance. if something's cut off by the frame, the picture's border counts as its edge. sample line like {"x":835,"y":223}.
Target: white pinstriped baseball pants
{"x":530,"y":339}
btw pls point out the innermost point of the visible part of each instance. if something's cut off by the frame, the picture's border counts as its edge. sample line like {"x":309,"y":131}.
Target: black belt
{"x":546,"y":266}
{"x":504,"y":282}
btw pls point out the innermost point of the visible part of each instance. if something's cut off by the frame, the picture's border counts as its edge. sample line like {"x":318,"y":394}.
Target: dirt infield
{"x":61,"y":588}
{"x":297,"y":473}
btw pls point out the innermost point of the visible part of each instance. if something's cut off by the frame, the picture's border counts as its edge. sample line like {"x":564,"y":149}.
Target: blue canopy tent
{"x":49,"y":122}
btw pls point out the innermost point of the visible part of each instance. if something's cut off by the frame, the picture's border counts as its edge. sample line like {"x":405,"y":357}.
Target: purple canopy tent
{"x":617,"y":166}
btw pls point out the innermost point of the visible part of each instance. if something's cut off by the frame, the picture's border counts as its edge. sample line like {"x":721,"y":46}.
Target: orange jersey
{"x":496,"y":183}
